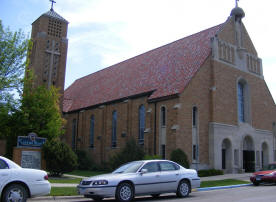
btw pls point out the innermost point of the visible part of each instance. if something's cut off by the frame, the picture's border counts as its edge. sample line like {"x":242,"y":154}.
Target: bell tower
{"x":49,"y":50}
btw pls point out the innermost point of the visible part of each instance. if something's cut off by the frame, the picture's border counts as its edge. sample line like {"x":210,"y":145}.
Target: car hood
{"x":108,"y":176}
{"x":264,"y":172}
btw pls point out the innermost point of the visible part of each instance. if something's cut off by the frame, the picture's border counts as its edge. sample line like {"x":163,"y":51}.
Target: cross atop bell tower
{"x":49,"y":51}
{"x":52,"y":6}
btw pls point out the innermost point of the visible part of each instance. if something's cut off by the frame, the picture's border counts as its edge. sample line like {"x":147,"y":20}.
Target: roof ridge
{"x":53,"y":14}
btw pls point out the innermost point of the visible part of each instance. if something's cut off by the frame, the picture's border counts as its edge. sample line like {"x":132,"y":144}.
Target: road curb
{"x":223,"y":187}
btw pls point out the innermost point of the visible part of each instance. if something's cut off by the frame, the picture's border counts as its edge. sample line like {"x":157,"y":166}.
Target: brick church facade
{"x":204,"y":94}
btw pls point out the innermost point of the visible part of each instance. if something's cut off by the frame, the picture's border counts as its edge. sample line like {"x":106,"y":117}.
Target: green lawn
{"x":226,"y":182}
{"x":63,"y":191}
{"x":85,"y":173}
{"x":65,"y":180}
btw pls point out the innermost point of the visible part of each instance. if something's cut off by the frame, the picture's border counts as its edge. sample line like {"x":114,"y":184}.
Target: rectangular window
{"x":91,"y":139}
{"x":141,"y":124}
{"x":74,"y":133}
{"x":114,"y":129}
{"x":241,"y":102}
{"x":194,"y":116}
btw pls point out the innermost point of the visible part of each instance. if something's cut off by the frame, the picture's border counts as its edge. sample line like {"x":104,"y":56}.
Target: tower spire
{"x":52,"y":6}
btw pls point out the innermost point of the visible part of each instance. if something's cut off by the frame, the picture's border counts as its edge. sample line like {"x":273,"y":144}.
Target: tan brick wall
{"x":261,"y":102}
{"x":197,"y":93}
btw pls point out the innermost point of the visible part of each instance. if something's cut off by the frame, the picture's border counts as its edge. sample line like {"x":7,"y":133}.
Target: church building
{"x":204,"y":94}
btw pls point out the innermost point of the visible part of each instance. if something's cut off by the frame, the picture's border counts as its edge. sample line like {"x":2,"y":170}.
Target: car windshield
{"x":131,"y":167}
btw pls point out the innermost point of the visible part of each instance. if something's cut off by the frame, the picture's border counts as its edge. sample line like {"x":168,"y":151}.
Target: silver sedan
{"x":148,"y":177}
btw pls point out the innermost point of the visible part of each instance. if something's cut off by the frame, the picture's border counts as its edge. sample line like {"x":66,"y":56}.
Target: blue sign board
{"x":30,"y":141}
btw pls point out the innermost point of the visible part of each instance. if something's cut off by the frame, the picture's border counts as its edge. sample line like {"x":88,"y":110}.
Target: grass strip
{"x":65,"y":180}
{"x":63,"y":191}
{"x":85,"y":173}
{"x":218,"y":183}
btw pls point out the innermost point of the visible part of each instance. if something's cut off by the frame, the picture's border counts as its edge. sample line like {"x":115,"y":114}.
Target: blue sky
{"x":105,"y":32}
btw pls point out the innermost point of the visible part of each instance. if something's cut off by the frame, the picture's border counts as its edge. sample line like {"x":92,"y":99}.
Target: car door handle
{"x":177,"y":174}
{"x":157,"y":175}
{"x":4,"y":174}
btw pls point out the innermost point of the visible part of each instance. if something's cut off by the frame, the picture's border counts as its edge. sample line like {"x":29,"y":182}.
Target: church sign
{"x":30,"y":141}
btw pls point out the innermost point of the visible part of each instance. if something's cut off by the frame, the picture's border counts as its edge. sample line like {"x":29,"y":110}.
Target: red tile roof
{"x":164,"y":71}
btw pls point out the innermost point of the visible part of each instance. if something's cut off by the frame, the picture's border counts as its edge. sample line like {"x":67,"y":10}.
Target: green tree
{"x":40,"y":110}
{"x":13,"y":52}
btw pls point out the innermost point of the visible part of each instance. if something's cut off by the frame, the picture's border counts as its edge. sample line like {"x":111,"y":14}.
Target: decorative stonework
{"x":51,"y":62}
{"x":236,"y":57}
{"x":253,"y":64}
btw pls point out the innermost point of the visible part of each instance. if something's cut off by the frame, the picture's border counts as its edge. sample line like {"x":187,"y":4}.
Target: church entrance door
{"x":226,"y":155}
{"x":248,"y":154}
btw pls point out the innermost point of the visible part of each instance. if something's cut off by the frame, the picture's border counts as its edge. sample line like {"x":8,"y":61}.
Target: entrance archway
{"x":248,"y":154}
{"x":226,"y":155}
{"x":264,"y":154}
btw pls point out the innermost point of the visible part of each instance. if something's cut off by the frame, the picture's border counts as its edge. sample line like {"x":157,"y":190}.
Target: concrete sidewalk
{"x":236,"y":176}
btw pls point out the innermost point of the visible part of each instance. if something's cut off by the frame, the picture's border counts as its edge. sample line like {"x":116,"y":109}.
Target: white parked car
{"x":149,"y":177}
{"x":18,"y":184}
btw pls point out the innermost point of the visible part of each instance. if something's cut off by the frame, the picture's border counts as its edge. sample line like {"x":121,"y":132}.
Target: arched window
{"x":241,"y":102}
{"x":141,"y":124}
{"x":91,"y":139}
{"x":114,"y":129}
{"x":163,"y":116}
{"x":74,"y":133}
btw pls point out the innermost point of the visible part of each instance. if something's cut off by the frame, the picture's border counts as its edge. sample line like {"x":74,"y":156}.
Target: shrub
{"x":209,"y":172}
{"x":59,"y":157}
{"x":180,"y":157}
{"x":131,"y":152}
{"x":84,"y":162}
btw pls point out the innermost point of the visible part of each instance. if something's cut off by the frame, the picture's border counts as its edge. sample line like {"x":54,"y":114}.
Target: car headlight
{"x":270,"y":174}
{"x":84,"y":182}
{"x":100,"y":182}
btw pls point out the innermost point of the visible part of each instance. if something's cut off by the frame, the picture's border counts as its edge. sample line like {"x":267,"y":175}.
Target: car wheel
{"x":183,"y":189}
{"x":97,"y":198}
{"x":15,"y":192}
{"x":124,"y":192}
{"x":256,"y":183}
{"x":155,"y":195}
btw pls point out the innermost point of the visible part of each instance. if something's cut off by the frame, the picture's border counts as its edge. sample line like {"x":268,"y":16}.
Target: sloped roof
{"x":164,"y":71}
{"x":51,"y":13}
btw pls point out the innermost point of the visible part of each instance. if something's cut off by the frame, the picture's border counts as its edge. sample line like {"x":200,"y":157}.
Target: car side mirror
{"x":143,"y":171}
